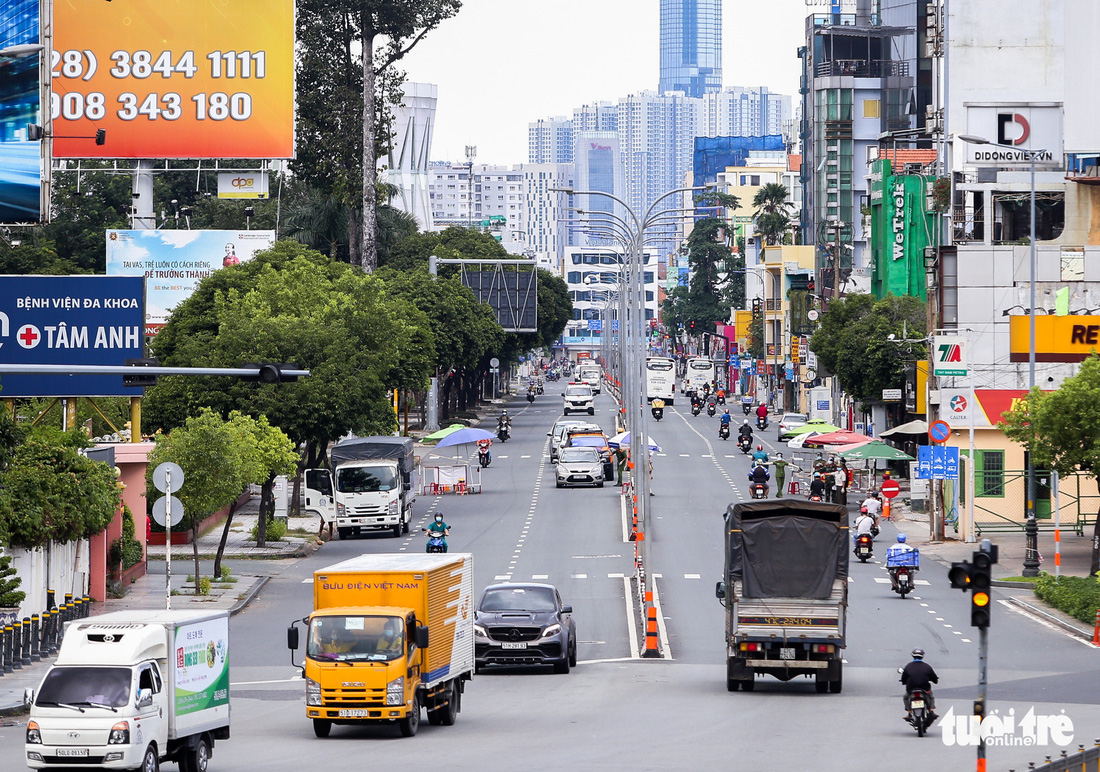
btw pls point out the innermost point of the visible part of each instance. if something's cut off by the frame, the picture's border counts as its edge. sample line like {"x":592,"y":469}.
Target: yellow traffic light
{"x":980,"y":599}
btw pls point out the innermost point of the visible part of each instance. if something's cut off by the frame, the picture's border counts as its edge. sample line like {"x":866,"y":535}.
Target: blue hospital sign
{"x":70,"y":320}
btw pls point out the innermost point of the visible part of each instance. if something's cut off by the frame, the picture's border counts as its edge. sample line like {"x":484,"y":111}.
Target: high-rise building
{"x":747,"y":112}
{"x":409,"y":156}
{"x":550,"y":141}
{"x":691,"y":47}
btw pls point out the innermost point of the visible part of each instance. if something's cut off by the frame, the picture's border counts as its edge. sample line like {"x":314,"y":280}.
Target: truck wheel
{"x":198,"y":758}
{"x":321,"y":727}
{"x":397,"y":530}
{"x":838,"y":684}
{"x":821,"y":682}
{"x":408,"y":520}
{"x":591,"y":411}
{"x":150,"y":762}
{"x":410,"y":723}
{"x":731,"y":685}
{"x":343,"y":532}
{"x":445,"y":715}
{"x":748,"y":685}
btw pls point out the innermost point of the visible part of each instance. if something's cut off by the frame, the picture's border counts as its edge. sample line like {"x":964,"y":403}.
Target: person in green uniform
{"x":780,"y":465}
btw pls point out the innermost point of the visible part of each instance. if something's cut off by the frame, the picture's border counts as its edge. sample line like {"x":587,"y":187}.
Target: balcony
{"x":862,"y":68}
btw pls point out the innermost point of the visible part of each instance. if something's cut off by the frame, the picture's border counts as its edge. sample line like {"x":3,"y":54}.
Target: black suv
{"x":524,"y":624}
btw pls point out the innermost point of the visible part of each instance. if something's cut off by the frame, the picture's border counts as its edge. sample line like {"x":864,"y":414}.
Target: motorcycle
{"x":436,"y":542}
{"x":502,"y":432}
{"x":746,"y":407}
{"x":920,"y":717}
{"x":484,"y":456}
{"x":724,"y":432}
{"x":902,"y":577}
{"x":721,"y":399}
{"x":711,"y":410}
{"x":658,"y":413}
{"x":761,"y":422}
{"x":863,"y":549}
{"x":758,"y":490}
{"x":538,"y":389}
{"x":696,"y":408}
{"x":814,"y":497}
{"x":530,"y":396}
{"x":744,"y":442}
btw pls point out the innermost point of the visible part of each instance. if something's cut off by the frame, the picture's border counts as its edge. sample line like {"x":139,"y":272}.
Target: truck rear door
{"x":318,"y":494}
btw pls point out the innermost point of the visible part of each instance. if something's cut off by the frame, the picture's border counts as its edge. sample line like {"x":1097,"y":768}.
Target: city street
{"x":615,"y":711}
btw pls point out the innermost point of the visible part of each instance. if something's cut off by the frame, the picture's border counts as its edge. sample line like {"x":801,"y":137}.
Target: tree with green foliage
{"x":851,"y":342}
{"x":1061,"y":431}
{"x":773,"y":212}
{"x":291,"y":304}
{"x":53,"y":493}
{"x":337,"y":42}
{"x":214,"y":469}
{"x":10,"y":594}
{"x":709,"y":257}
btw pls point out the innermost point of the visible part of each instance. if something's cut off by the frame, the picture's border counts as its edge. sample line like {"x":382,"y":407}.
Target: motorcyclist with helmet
{"x":918,"y":674}
{"x":759,"y":456}
{"x":744,"y":430}
{"x":901,"y":554}
{"x":759,"y":475}
{"x":438,"y":529}
{"x":817,"y":487}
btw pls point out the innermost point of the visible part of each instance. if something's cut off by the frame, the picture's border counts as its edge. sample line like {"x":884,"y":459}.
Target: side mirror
{"x":567,"y":609}
{"x":720,"y":591}
{"x":144,"y":698}
{"x":28,"y":698}
{"x":421,"y":637}
{"x":292,"y":638}
{"x":407,"y":486}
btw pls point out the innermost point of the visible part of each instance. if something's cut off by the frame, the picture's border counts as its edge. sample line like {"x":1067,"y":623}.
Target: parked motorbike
{"x":436,"y":541}
{"x":696,"y":408}
{"x":921,"y":717}
{"x":902,"y":580}
{"x":724,"y":431}
{"x":744,"y":442}
{"x":711,"y":410}
{"x":864,"y":548}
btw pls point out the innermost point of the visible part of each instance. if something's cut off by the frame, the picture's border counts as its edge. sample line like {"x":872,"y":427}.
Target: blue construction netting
{"x":714,"y":154}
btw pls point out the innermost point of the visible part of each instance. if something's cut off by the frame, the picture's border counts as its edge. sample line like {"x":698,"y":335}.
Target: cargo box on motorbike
{"x":909,"y":559}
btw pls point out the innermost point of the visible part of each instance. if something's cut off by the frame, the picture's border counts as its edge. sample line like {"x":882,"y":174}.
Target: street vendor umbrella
{"x":465,"y":436}
{"x":799,"y":440}
{"x":443,"y":432}
{"x":818,"y":425}
{"x":841,"y":437}
{"x":623,"y":440}
{"x":913,"y":427}
{"x":875,"y":449}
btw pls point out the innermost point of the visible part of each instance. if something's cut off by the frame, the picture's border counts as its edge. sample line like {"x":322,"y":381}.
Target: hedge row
{"x":1077,"y":596}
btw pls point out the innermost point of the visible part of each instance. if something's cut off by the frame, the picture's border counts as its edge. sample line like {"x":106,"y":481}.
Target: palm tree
{"x":772,"y":215}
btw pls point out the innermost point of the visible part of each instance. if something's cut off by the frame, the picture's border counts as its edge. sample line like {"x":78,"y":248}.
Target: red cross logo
{"x":28,"y":336}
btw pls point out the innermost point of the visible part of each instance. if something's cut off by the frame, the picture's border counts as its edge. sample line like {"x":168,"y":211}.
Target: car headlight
{"x":34,"y":734}
{"x":551,"y":630}
{"x":479,"y":632}
{"x":120,"y":734}
{"x":596,"y":470}
{"x":313,"y":692}
{"x":339,"y":509}
{"x":395,"y":691}
{"x":393,"y":507}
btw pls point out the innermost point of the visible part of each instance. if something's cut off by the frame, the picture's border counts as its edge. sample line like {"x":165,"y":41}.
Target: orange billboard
{"x":173,"y":78}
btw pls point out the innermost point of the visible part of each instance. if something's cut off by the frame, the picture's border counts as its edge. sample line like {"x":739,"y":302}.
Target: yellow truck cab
{"x":389,"y":635}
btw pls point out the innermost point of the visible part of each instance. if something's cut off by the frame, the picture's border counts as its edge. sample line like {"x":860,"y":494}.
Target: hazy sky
{"x":500,"y":64}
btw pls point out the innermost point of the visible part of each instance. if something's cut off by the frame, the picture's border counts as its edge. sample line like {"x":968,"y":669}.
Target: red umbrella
{"x":839,"y":438}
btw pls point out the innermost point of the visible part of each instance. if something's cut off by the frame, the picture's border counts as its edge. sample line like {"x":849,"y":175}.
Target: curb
{"x":242,"y":603}
{"x":1012,"y":585}
{"x":1048,"y":617}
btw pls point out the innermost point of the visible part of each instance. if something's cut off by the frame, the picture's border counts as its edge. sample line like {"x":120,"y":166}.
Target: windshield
{"x":107,"y":686}
{"x":578,"y":455}
{"x":578,"y":391}
{"x":587,"y":441}
{"x":659,"y":364}
{"x":518,"y":599}
{"x":356,"y":638}
{"x":359,"y":479}
{"x":699,"y":364}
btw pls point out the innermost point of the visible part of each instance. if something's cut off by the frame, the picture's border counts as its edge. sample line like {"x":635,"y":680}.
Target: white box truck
{"x":130,"y":689}
{"x":370,"y":485}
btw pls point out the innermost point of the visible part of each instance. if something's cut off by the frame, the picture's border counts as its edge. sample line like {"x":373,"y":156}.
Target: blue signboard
{"x":594,"y":324}
{"x":70,"y":320}
{"x":20,"y":156}
{"x":614,"y":325}
{"x":788,"y":373}
{"x":936,"y":462}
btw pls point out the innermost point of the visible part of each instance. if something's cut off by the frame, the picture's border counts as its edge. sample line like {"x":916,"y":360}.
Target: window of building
{"x":871,"y":108}
{"x":989,"y":474}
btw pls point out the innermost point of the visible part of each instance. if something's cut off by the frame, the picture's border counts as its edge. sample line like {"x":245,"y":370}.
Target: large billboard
{"x":174,"y":262}
{"x":70,"y":320}
{"x":20,"y":157}
{"x":174,"y":78}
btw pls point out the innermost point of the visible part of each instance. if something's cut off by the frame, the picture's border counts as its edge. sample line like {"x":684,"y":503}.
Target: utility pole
{"x":471,"y":153}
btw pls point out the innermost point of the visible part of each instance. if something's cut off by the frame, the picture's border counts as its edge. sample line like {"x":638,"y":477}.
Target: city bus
{"x":700,"y":370}
{"x":660,"y":379}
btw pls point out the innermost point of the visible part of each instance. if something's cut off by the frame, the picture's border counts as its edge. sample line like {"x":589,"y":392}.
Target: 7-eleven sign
{"x":948,"y":355}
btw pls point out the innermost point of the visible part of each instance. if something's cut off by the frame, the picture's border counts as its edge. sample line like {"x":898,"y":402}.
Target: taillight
{"x":823,"y":648}
{"x":752,"y":647}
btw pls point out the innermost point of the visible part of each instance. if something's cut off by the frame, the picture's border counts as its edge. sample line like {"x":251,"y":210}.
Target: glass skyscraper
{"x":691,"y":46}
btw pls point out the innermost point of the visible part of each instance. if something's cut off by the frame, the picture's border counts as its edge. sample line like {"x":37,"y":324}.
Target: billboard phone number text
{"x":83,"y":65}
{"x":216,"y":106}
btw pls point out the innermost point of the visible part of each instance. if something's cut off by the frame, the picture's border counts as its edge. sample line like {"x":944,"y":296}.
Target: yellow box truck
{"x":389,"y":635}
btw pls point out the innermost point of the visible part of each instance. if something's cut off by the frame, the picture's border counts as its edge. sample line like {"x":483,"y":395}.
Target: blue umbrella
{"x":464,"y":436}
{"x":624,"y":439}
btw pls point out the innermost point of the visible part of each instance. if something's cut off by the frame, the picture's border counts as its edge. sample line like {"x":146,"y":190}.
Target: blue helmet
{"x":901,"y":538}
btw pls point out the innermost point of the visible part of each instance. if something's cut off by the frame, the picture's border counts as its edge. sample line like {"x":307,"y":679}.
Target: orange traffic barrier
{"x":1096,"y":629}
{"x":651,"y":644}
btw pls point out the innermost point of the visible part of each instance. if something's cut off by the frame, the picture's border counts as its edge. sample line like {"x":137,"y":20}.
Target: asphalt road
{"x":615,"y":711}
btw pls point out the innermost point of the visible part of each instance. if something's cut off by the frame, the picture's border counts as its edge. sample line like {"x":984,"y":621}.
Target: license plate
{"x":73,"y":752}
{"x":514,"y":645}
{"x":916,"y":704}
{"x":786,"y":653}
{"x":353,"y":713}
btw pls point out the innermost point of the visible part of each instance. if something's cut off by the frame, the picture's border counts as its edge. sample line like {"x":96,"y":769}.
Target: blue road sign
{"x":70,"y":320}
{"x":939,"y":431}
{"x":924,"y":462}
{"x":952,"y":463}
{"x":936,"y":462}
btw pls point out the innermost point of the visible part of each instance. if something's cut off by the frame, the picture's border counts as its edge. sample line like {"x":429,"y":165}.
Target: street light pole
{"x":1031,"y":527}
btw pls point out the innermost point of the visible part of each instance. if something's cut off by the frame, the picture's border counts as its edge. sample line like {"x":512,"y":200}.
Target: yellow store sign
{"x":1057,"y":338}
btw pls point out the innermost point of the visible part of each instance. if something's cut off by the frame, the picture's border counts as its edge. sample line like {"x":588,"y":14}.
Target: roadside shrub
{"x":276,"y":530}
{"x":1077,"y":596}
{"x":204,"y":585}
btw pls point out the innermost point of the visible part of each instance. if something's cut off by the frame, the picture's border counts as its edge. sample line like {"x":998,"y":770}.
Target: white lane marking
{"x":540,"y":576}
{"x":616,"y":576}
{"x":527,"y":456}
{"x":966,"y":640}
{"x":691,"y":576}
{"x":502,"y":456}
{"x":631,"y":620}
{"x":684,"y":455}
{"x":1045,"y":623}
{"x":502,"y":577}
{"x":308,"y":581}
{"x":578,"y":576}
{"x":956,"y":632}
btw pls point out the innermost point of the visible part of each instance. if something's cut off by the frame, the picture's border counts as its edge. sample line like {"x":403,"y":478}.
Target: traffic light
{"x":757,"y":310}
{"x":691,"y":325}
{"x":980,"y":577}
{"x":269,"y":372}
{"x":959,"y":575}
